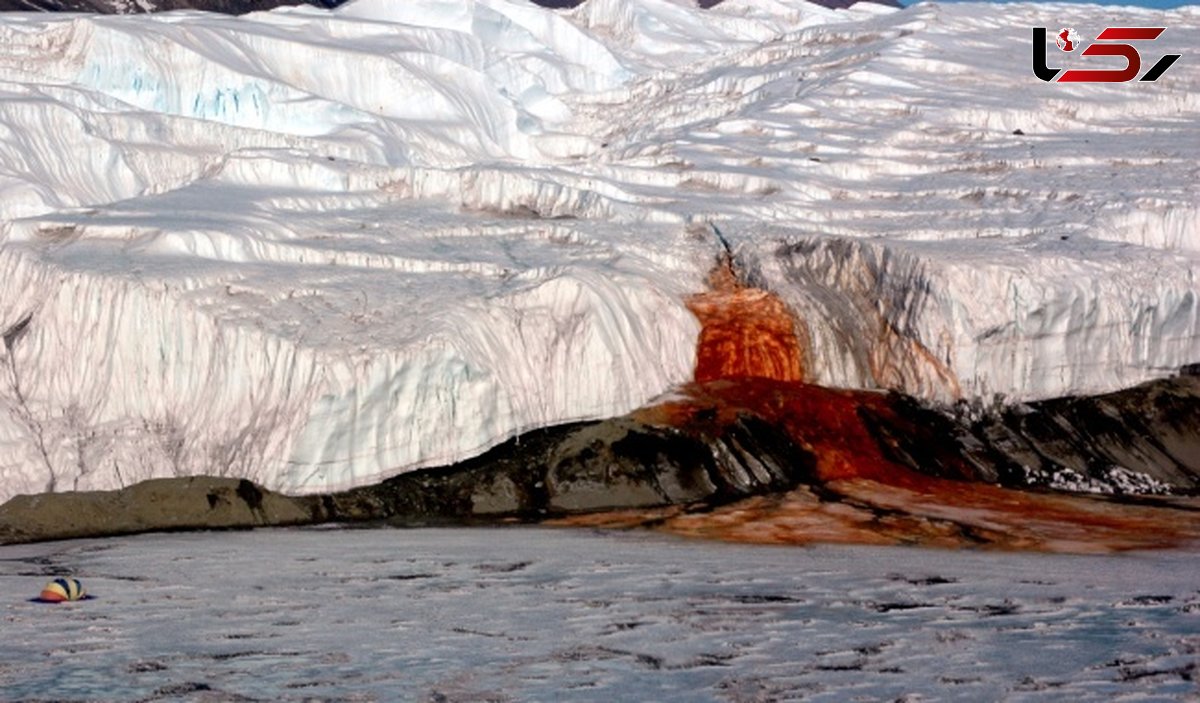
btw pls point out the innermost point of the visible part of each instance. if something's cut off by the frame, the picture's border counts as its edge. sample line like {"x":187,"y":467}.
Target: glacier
{"x":319,"y":248}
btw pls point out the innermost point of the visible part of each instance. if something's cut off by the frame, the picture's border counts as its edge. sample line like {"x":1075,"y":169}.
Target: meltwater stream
{"x":535,"y":614}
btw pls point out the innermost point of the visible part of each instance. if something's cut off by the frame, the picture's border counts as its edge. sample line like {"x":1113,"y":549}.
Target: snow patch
{"x":1112,"y":480}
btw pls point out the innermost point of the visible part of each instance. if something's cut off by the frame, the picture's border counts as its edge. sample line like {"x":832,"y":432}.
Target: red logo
{"x":1066,"y":39}
{"x":1110,"y":42}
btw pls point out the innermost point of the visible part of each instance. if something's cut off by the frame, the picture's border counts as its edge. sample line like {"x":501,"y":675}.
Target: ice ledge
{"x":108,"y":378}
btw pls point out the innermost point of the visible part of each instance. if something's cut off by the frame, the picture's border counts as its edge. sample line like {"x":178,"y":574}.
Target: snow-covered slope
{"x":318,"y":248}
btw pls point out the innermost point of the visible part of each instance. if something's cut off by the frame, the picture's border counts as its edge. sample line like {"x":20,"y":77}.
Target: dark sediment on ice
{"x":730,"y":441}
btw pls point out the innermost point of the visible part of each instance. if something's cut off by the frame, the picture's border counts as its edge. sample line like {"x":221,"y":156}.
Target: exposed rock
{"x":160,"y":504}
{"x":1108,"y":441}
{"x":611,"y":465}
{"x":600,"y":466}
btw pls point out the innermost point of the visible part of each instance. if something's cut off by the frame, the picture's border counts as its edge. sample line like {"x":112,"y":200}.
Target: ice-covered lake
{"x":536,"y":614}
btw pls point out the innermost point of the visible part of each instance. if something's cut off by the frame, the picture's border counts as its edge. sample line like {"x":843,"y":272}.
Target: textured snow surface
{"x":318,"y":248}
{"x":537,"y":615}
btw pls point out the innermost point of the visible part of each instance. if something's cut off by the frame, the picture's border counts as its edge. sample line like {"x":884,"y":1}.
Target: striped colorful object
{"x":62,"y":589}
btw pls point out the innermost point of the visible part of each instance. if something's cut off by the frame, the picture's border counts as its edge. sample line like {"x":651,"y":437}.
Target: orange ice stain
{"x":745,"y":332}
{"x":750,"y":361}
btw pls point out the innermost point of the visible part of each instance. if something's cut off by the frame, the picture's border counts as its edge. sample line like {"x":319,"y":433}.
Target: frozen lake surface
{"x":545,"y":615}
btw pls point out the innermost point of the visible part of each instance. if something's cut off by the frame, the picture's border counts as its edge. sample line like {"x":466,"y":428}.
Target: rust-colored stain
{"x":994,"y":518}
{"x":859,"y":496}
{"x":749,"y":362}
{"x":745,"y":332}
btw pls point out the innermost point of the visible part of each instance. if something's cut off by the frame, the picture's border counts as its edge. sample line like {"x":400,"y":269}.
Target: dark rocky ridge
{"x":715,"y":458}
{"x":1152,"y":429}
{"x":572,"y":469}
{"x":554,"y":472}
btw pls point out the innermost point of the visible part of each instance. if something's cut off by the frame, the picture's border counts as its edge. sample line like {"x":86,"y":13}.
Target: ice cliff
{"x":319,"y":248}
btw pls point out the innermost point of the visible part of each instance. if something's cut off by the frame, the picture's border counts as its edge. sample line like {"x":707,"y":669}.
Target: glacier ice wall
{"x":230,"y":352}
{"x":318,"y":248}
